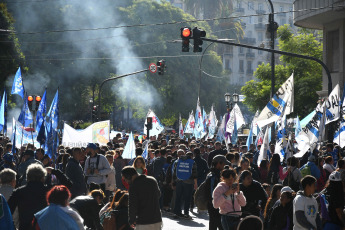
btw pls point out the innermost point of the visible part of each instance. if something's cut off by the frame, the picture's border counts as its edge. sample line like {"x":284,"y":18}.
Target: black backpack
{"x":273,"y":177}
{"x":291,"y":182}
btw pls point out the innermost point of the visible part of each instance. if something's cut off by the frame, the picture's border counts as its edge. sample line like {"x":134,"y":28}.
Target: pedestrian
{"x":140,"y":165}
{"x":28,"y":159}
{"x":328,"y":165}
{"x":294,"y":176}
{"x":321,"y":182}
{"x":7,"y":182}
{"x":201,"y":165}
{"x":110,"y":185}
{"x":96,"y":167}
{"x":229,"y":199}
{"x":310,"y":168}
{"x":305,"y":206}
{"x":217,"y":151}
{"x":275,"y":170}
{"x":144,"y":210}
{"x":6,"y":221}
{"x":75,"y":173}
{"x":119,"y":164}
{"x":58,"y":215}
{"x":275,"y":195}
{"x":264,"y":164}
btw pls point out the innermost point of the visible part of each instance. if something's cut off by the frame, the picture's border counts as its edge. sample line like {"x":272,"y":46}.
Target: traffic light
{"x":94,"y":113}
{"x":161,"y":67}
{"x":186,"y":34}
{"x":197,"y":34}
{"x":149,"y":123}
{"x":38,"y":101}
{"x":30,"y":100}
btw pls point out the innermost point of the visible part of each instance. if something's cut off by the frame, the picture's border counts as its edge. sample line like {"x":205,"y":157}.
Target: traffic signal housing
{"x":197,"y":34}
{"x":149,"y":123}
{"x":38,"y":101}
{"x":30,"y":100}
{"x":186,"y":34}
{"x":161,"y":67}
{"x":94,"y":113}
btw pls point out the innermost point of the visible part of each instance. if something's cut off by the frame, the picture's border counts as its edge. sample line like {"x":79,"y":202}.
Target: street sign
{"x":153,"y":68}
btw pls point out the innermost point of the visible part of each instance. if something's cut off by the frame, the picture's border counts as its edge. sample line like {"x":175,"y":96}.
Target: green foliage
{"x":307,"y":73}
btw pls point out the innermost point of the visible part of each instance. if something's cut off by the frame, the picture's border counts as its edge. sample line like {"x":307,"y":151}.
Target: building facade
{"x":328,"y":16}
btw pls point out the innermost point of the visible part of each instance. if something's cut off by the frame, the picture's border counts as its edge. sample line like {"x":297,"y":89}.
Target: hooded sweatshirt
{"x":228,"y":204}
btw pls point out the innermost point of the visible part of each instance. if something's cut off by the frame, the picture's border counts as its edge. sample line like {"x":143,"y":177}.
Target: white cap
{"x":286,"y":189}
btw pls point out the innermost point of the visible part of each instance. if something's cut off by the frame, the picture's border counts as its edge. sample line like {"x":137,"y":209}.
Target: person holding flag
{"x":18,"y":86}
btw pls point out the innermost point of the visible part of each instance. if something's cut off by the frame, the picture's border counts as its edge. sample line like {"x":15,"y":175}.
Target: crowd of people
{"x":95,"y":188}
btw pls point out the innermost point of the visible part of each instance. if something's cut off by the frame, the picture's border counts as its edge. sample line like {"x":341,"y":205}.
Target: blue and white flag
{"x":333,"y":105}
{"x":256,"y":128}
{"x":146,"y":151}
{"x":41,"y":112}
{"x":3,"y":113}
{"x":250,"y":136}
{"x":234,"y":134}
{"x":41,"y":136}
{"x":281,"y":137}
{"x":190,"y":125}
{"x":199,"y":127}
{"x":18,"y":86}
{"x":230,"y":126}
{"x":264,"y":148}
{"x":221,"y":129}
{"x":22,"y":136}
{"x":298,"y":127}
{"x":282,"y":102}
{"x":14,"y":128}
{"x":212,"y":123}
{"x":129,"y":151}
{"x":53,"y":114}
{"x":25,"y":116}
{"x":157,"y":127}
{"x":204,"y":122}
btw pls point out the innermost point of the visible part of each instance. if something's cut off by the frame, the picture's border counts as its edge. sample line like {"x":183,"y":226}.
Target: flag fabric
{"x":190,"y":125}
{"x":41,"y":136}
{"x":333,"y":105}
{"x":308,"y":137}
{"x":282,"y":102}
{"x":212,"y":123}
{"x":180,"y":131}
{"x":3,"y":113}
{"x":339,"y":136}
{"x":234,"y":134}
{"x":221,"y":129}
{"x":255,"y":124}
{"x":281,"y":137}
{"x":250,"y":136}
{"x":53,"y":113}
{"x":41,"y":111}
{"x":289,"y":149}
{"x":157,"y":127}
{"x":18,"y":86}
{"x":14,"y":137}
{"x":198,"y":121}
{"x":204,"y":122}
{"x":25,"y":116}
{"x":129,"y":151}
{"x":236,"y":111}
{"x":264,"y":147}
{"x":146,"y":151}
{"x":298,"y":127}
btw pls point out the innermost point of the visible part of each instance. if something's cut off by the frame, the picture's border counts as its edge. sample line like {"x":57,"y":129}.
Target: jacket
{"x":282,"y":217}
{"x":24,"y":166}
{"x":254,"y":193}
{"x":158,"y":164}
{"x":202,"y":168}
{"x":143,"y":203}
{"x":192,"y":177}
{"x":315,"y":171}
{"x":75,"y":173}
{"x":230,"y":204}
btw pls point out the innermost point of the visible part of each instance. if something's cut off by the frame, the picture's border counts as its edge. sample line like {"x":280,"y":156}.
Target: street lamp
{"x":227,"y":97}
{"x":235,"y":98}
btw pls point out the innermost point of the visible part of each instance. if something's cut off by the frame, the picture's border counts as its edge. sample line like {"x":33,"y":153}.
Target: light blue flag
{"x":3,"y":113}
{"x":269,"y":134}
{"x":53,"y":113}
{"x":146,"y":151}
{"x":298,"y":128}
{"x":18,"y":87}
{"x":129,"y":151}
{"x":25,"y":116}
{"x":234,"y":134}
{"x":250,"y":136}
{"x":41,"y":112}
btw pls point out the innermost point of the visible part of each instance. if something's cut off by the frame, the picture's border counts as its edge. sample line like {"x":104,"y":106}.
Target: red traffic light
{"x":38,"y":98}
{"x":30,"y":98}
{"x":186,"y":32}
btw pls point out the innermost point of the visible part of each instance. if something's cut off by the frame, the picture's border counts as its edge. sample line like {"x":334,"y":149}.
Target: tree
{"x":307,"y":73}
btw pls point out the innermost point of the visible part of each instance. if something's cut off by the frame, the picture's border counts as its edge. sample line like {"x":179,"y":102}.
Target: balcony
{"x":250,"y":55}
{"x":260,"y":11}
{"x":239,"y":10}
{"x":260,"y":26}
{"x":249,"y":41}
{"x":228,"y":55}
{"x":330,"y":11}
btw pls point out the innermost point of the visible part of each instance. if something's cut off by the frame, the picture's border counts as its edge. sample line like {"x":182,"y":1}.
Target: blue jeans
{"x":183,"y":192}
{"x":229,"y":222}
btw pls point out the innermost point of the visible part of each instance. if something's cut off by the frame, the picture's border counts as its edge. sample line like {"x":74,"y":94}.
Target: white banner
{"x":264,"y":147}
{"x":98,"y":132}
{"x":282,"y":102}
{"x":332,"y":105}
{"x":157,"y":127}
{"x":239,"y":119}
{"x":212,"y":123}
{"x":189,"y":127}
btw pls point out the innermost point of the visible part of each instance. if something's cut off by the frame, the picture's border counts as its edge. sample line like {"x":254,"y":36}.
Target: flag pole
{"x":32,"y":135}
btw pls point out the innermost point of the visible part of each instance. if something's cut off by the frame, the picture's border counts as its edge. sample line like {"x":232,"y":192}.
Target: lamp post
{"x":235,"y":98}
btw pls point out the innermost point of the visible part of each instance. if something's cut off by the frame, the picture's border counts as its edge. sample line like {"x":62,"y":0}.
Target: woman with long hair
{"x":275,"y":170}
{"x":275,"y":195}
{"x":321,"y":182}
{"x":229,"y":199}
{"x":140,"y":165}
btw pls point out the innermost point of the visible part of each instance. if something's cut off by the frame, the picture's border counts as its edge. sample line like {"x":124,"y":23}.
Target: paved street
{"x":199,"y":221}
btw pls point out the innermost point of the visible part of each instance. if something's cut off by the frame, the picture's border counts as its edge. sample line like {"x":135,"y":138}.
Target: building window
{"x":238,"y":5}
{"x":281,"y":8}
{"x":241,"y":50}
{"x":250,"y":20}
{"x":260,"y":36}
{"x":260,"y":6}
{"x":249,"y":67}
{"x":250,"y":6}
{"x":260,"y":19}
{"x":227,"y":64}
{"x":333,"y":54}
{"x":241,"y":69}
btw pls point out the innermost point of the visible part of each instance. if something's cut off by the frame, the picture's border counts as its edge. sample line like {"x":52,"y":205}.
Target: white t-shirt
{"x":310,"y":208}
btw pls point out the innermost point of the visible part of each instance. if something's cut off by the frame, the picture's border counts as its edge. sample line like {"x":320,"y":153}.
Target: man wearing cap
{"x":29,"y":159}
{"x":96,"y":167}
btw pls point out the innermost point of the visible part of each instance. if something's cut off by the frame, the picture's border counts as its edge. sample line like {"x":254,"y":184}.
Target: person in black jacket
{"x":31,"y":197}
{"x":255,"y":194}
{"x":217,"y":151}
{"x":88,"y":208}
{"x":75,"y":173}
{"x":201,"y":166}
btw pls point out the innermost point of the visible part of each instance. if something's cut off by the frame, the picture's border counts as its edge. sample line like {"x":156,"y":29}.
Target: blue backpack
{"x":184,"y":169}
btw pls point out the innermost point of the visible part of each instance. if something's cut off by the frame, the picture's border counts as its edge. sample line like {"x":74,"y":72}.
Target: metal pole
{"x":200,"y":70}
{"x":110,"y":79}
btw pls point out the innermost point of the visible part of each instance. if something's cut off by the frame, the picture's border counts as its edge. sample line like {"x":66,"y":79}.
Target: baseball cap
{"x":335,"y":176}
{"x":91,"y":146}
{"x":311,"y":158}
{"x":220,"y":158}
{"x":286,"y":189}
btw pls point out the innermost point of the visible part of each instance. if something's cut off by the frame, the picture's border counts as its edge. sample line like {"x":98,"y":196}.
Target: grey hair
{"x":35,"y":172}
{"x":7,"y":176}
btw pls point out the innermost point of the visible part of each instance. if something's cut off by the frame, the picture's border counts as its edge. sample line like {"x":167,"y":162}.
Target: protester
{"x":305,"y":207}
{"x":310,"y":168}
{"x":144,"y":210}
{"x":28,"y":159}
{"x":328,"y":166}
{"x":294,"y":175}
{"x":275,"y":170}
{"x":275,"y":195}
{"x":58,"y":215}
{"x":321,"y":182}
{"x":110,"y":184}
{"x":7,"y":182}
{"x":264,"y":164}
{"x":229,"y":199}
{"x":140,"y":165}
{"x":217,"y":151}
{"x":6,"y":221}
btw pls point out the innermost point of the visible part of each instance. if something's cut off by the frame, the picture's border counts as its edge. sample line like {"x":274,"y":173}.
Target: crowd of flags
{"x":46,"y":127}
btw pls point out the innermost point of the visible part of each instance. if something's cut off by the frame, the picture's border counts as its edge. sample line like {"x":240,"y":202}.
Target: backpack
{"x":291,"y":182}
{"x":108,"y":219}
{"x":97,"y":161}
{"x":184,"y":169}
{"x":200,"y":195}
{"x":306,"y":171}
{"x":324,"y":213}
{"x":273,"y":177}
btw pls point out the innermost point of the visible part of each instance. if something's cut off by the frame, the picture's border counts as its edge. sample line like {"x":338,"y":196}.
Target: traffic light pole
{"x":110,"y":79}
